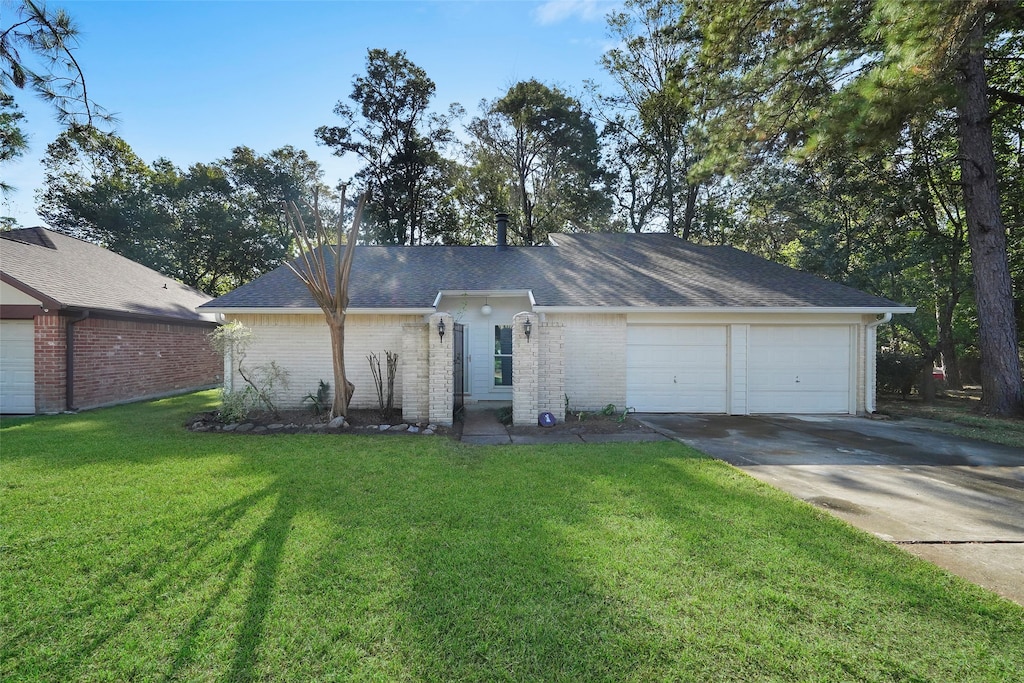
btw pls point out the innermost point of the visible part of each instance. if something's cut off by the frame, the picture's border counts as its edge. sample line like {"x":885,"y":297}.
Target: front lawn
{"x":134,"y":550}
{"x":956,"y":412}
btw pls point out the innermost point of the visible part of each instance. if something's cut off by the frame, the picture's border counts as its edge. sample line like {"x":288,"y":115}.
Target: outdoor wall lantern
{"x":440,"y":329}
{"x":527,"y":327}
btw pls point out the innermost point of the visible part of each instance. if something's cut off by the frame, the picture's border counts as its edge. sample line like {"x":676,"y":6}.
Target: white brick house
{"x":646,"y":321}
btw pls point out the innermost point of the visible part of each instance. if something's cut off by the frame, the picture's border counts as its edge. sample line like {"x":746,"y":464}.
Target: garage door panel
{"x":799,"y":402}
{"x":799,"y":369}
{"x":17,"y":367}
{"x":779,"y":378}
{"x":676,"y":368}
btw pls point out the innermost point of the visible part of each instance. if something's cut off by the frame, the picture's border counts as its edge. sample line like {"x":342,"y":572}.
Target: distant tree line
{"x":865,"y":141}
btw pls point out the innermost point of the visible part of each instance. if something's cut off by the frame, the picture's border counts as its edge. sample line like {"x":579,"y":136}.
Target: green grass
{"x":134,"y":550}
{"x":957,"y":414}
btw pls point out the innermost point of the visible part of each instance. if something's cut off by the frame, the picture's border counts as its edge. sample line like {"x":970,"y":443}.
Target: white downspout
{"x":870,"y":362}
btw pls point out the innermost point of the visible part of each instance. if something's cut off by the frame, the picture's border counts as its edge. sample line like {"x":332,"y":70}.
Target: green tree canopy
{"x":804,"y":78}
{"x":651,"y":131}
{"x":37,"y":52}
{"x":400,"y":142}
{"x":213,"y":226}
{"x":537,"y":148}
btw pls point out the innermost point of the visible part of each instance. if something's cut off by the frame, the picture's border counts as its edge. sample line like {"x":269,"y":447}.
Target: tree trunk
{"x":689,"y":211}
{"x":926,"y":383}
{"x":670,"y":187}
{"x":950,"y":362}
{"x":339,"y":407}
{"x":945,"y":304}
{"x":1002,"y":390}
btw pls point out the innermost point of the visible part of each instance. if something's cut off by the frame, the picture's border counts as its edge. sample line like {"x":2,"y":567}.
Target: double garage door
{"x":747,"y":369}
{"x":17,"y":367}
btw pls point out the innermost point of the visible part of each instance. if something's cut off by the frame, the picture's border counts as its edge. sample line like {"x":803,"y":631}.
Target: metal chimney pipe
{"x":502,"y":220}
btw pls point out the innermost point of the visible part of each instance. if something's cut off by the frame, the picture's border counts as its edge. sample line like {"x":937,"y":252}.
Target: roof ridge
{"x":39,"y":238}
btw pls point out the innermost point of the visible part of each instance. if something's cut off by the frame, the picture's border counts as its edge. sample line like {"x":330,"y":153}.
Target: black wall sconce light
{"x":440,"y":329}
{"x":527,"y":328}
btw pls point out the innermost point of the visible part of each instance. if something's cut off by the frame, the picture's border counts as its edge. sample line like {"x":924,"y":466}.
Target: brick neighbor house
{"x":82,"y":327}
{"x":646,"y":321}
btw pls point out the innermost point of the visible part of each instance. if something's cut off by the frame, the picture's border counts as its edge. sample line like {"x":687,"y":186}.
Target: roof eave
{"x":493,"y":293}
{"x":46,"y":301}
{"x":815,"y":310}
{"x":314,"y":310}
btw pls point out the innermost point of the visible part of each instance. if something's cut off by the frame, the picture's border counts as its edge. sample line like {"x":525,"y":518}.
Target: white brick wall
{"x":301,"y":344}
{"x":415,"y":363}
{"x":441,"y":386}
{"x":595,"y":359}
{"x":525,"y":367}
{"x":551,"y":372}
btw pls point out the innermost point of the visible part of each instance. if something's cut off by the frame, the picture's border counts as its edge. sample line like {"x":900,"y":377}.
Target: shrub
{"x":385,"y":393}
{"x":898,"y":373}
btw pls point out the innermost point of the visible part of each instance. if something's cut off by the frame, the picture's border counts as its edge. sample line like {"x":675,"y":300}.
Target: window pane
{"x":503,"y":339}
{"x":502,"y":355}
{"x":502,"y":371}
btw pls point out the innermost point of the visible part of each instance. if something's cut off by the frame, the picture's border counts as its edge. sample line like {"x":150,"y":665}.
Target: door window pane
{"x":502,"y":355}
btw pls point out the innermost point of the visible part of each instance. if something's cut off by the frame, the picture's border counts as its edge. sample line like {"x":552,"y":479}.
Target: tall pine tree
{"x":802,"y":77}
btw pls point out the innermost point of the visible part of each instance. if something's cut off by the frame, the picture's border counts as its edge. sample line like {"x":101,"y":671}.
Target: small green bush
{"x":236,"y":405}
{"x":898,"y":373}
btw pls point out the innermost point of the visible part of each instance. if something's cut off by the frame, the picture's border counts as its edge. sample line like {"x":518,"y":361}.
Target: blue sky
{"x":191,"y":80}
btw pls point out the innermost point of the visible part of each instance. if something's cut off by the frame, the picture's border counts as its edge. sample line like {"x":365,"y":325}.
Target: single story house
{"x":645,"y":321}
{"x":81,"y":327}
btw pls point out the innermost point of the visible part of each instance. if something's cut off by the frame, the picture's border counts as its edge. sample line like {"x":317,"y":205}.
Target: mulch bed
{"x":369,"y":422}
{"x":305,"y":422}
{"x":588,"y":423}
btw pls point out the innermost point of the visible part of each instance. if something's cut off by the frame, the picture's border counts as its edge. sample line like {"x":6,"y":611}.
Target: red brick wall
{"x":50,"y":357}
{"x":120,"y":360}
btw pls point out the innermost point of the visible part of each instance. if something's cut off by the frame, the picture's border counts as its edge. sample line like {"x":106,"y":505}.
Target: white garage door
{"x":798,"y":369}
{"x":17,"y":367}
{"x":676,"y":368}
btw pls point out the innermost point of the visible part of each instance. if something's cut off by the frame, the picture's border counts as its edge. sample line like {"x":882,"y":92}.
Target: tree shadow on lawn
{"x":169,"y":571}
{"x":397,"y":559}
{"x":582,"y":567}
{"x":672,"y":569}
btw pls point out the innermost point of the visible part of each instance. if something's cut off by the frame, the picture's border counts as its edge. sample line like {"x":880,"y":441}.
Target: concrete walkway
{"x":481,"y":427}
{"x":958,"y":503}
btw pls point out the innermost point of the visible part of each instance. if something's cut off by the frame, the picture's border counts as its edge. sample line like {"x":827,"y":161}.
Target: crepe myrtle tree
{"x":319,"y":258}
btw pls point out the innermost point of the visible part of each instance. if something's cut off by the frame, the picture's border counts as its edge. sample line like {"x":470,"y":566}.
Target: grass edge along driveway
{"x":131,"y":549}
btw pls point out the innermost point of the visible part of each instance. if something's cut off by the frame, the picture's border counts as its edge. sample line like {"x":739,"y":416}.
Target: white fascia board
{"x":318,"y":311}
{"x":723,"y":309}
{"x":492,"y":293}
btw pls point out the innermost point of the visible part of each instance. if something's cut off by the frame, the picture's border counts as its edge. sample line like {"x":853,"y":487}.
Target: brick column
{"x":551,"y":375}
{"x":415,"y":373}
{"x":50,"y":363}
{"x":441,"y":389}
{"x":525,"y":366}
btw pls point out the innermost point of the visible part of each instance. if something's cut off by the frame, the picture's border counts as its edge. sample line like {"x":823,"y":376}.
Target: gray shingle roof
{"x":613,"y":270}
{"x":80,"y":275}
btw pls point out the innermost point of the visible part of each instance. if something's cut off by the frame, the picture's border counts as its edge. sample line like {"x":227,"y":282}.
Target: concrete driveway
{"x":956,"y":502}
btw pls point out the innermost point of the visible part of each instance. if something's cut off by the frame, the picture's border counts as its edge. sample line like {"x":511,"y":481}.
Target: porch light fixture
{"x":486,"y":308}
{"x":527,"y":328}
{"x":440,"y":329}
